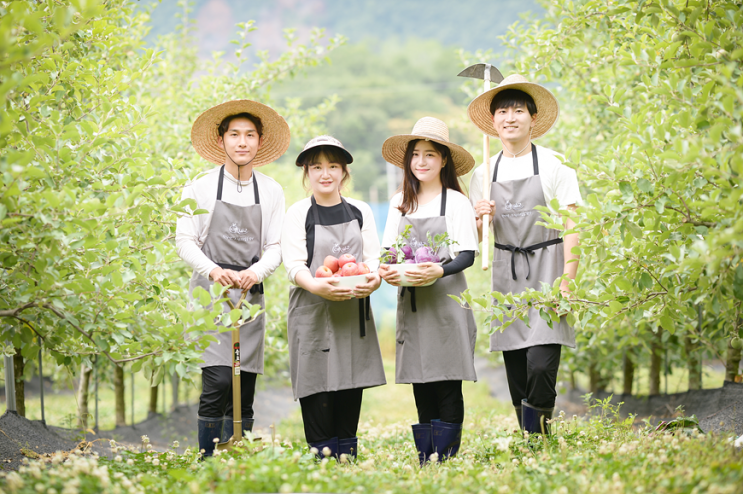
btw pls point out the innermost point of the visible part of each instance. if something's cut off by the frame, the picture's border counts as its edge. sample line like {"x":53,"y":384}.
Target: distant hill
{"x":469,"y":24}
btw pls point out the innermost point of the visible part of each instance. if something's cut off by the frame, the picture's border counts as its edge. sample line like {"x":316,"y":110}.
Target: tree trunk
{"x":82,"y":396}
{"x":731,"y":365}
{"x":629,"y":371}
{"x":20,"y":388}
{"x":594,"y":376}
{"x":174,"y":382}
{"x":656,"y":360}
{"x":573,"y":385}
{"x":119,"y":390}
{"x":693,"y":363}
{"x":153,"y":400}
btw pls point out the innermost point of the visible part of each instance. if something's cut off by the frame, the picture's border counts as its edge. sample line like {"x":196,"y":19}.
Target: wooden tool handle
{"x":486,"y":196}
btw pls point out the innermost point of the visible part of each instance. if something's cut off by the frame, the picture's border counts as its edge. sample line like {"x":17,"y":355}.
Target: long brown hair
{"x":410,"y":183}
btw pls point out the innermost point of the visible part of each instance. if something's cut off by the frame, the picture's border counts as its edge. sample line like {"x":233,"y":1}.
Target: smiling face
{"x":427,"y":162}
{"x":325,"y":176}
{"x":241,"y":141}
{"x":514,"y":123}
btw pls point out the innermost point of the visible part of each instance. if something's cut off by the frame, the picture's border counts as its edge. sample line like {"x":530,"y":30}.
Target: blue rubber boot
{"x":229,"y":427}
{"x":209,"y":428}
{"x":534,"y":419}
{"x":332,"y":444}
{"x":348,"y":447}
{"x":446,"y":438}
{"x":423,"y":443}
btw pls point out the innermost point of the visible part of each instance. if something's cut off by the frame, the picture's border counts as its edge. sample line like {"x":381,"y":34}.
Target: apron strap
{"x":526,"y":251}
{"x":364,"y":315}
{"x":219,"y":183}
{"x":534,"y":160}
{"x":256,"y":196}
{"x":410,"y":289}
{"x":443,"y":201}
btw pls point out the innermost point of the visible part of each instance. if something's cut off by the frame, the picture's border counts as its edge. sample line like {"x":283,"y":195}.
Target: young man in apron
{"x":526,"y":254}
{"x":235,"y":244}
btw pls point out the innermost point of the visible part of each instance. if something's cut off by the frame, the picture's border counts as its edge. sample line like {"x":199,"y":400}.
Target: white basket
{"x":401,"y":268}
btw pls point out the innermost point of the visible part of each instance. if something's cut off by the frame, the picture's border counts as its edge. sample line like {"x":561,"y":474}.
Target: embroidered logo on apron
{"x":340,"y":249}
{"x":510,"y":206}
{"x":237,"y":234}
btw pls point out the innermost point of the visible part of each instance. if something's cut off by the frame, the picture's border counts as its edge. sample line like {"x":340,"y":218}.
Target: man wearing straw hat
{"x":236,"y":244}
{"x":526,"y":254}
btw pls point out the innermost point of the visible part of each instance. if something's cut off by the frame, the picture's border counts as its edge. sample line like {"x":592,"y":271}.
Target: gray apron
{"x":332,"y":345}
{"x":435,"y":335}
{"x":234,"y":242}
{"x":525,"y":255}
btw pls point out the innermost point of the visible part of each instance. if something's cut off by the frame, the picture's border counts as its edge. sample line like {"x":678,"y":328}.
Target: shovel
{"x":488,"y":73}
{"x":237,"y":435}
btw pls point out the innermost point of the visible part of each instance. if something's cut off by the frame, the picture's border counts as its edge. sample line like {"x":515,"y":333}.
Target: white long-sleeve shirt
{"x":294,"y":237}
{"x":191,"y":231}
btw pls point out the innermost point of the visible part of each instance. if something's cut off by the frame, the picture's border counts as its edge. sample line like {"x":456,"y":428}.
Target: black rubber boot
{"x":229,"y":427}
{"x":331,"y":444}
{"x":209,"y":429}
{"x":446,"y":438}
{"x":534,"y":419}
{"x":348,"y":447}
{"x":423,"y":441}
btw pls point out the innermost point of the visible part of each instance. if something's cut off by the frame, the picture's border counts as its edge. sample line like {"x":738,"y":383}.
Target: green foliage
{"x":651,"y":117}
{"x":94,"y":150}
{"x":600,"y":454}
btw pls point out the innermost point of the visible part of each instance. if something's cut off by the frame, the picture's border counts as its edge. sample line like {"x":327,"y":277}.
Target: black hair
{"x":225,"y":124}
{"x":332,"y":153}
{"x":513,"y":97}
{"x":411,"y":185}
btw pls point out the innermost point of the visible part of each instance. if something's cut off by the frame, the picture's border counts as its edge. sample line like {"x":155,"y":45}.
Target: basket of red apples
{"x":402,"y":257}
{"x":344,"y":269}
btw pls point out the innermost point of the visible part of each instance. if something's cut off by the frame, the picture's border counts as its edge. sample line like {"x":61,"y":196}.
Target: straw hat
{"x":324,"y":141}
{"x":430,"y":129}
{"x":276,"y":135}
{"x":547,"y":108}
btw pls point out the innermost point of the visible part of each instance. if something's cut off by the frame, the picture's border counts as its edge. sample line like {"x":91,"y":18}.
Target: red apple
{"x":323,"y":272}
{"x":363,"y":268}
{"x":331,"y":262}
{"x":344,"y":259}
{"x":350,"y":269}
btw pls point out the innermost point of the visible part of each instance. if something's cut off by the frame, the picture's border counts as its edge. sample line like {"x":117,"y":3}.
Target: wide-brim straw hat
{"x":276,"y":134}
{"x":324,"y":141}
{"x":429,"y":129}
{"x":547,"y":107}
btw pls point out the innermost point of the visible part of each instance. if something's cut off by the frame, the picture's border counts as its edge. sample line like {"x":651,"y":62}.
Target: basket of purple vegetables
{"x":402,"y":257}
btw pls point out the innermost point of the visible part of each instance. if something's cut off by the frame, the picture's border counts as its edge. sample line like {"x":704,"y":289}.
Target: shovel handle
{"x":486,"y":195}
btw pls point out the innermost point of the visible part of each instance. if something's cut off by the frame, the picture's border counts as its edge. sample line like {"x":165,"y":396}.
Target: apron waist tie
{"x":364,"y":315}
{"x":526,"y":251}
{"x":410,"y":289}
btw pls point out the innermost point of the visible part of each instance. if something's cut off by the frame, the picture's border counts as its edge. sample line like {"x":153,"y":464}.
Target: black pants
{"x":216,"y":392}
{"x":532,"y":374}
{"x":441,"y":400}
{"x":331,"y":414}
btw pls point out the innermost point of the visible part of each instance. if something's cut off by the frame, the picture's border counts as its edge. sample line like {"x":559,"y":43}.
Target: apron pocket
{"x":501,"y":277}
{"x":310,"y":325}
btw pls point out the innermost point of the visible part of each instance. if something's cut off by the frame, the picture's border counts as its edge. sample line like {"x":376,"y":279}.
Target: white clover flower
{"x":326,"y":451}
{"x":344,"y":458}
{"x":145,"y":439}
{"x":51,"y":490}
{"x":118,"y":459}
{"x":149,"y":447}
{"x":187,"y":452}
{"x":39,"y":487}
{"x":502,"y":443}
{"x":223,"y":460}
{"x":176,"y":444}
{"x":314,"y":450}
{"x":130,"y":462}
{"x":231,"y":462}
{"x":215,"y":440}
{"x":193,"y":467}
{"x":155,"y":462}
{"x":434,"y":457}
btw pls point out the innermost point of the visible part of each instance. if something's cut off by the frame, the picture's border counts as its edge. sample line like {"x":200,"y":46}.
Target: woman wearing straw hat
{"x":333,"y":346}
{"x":526,"y":254}
{"x":435,"y":335}
{"x":235,"y":244}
